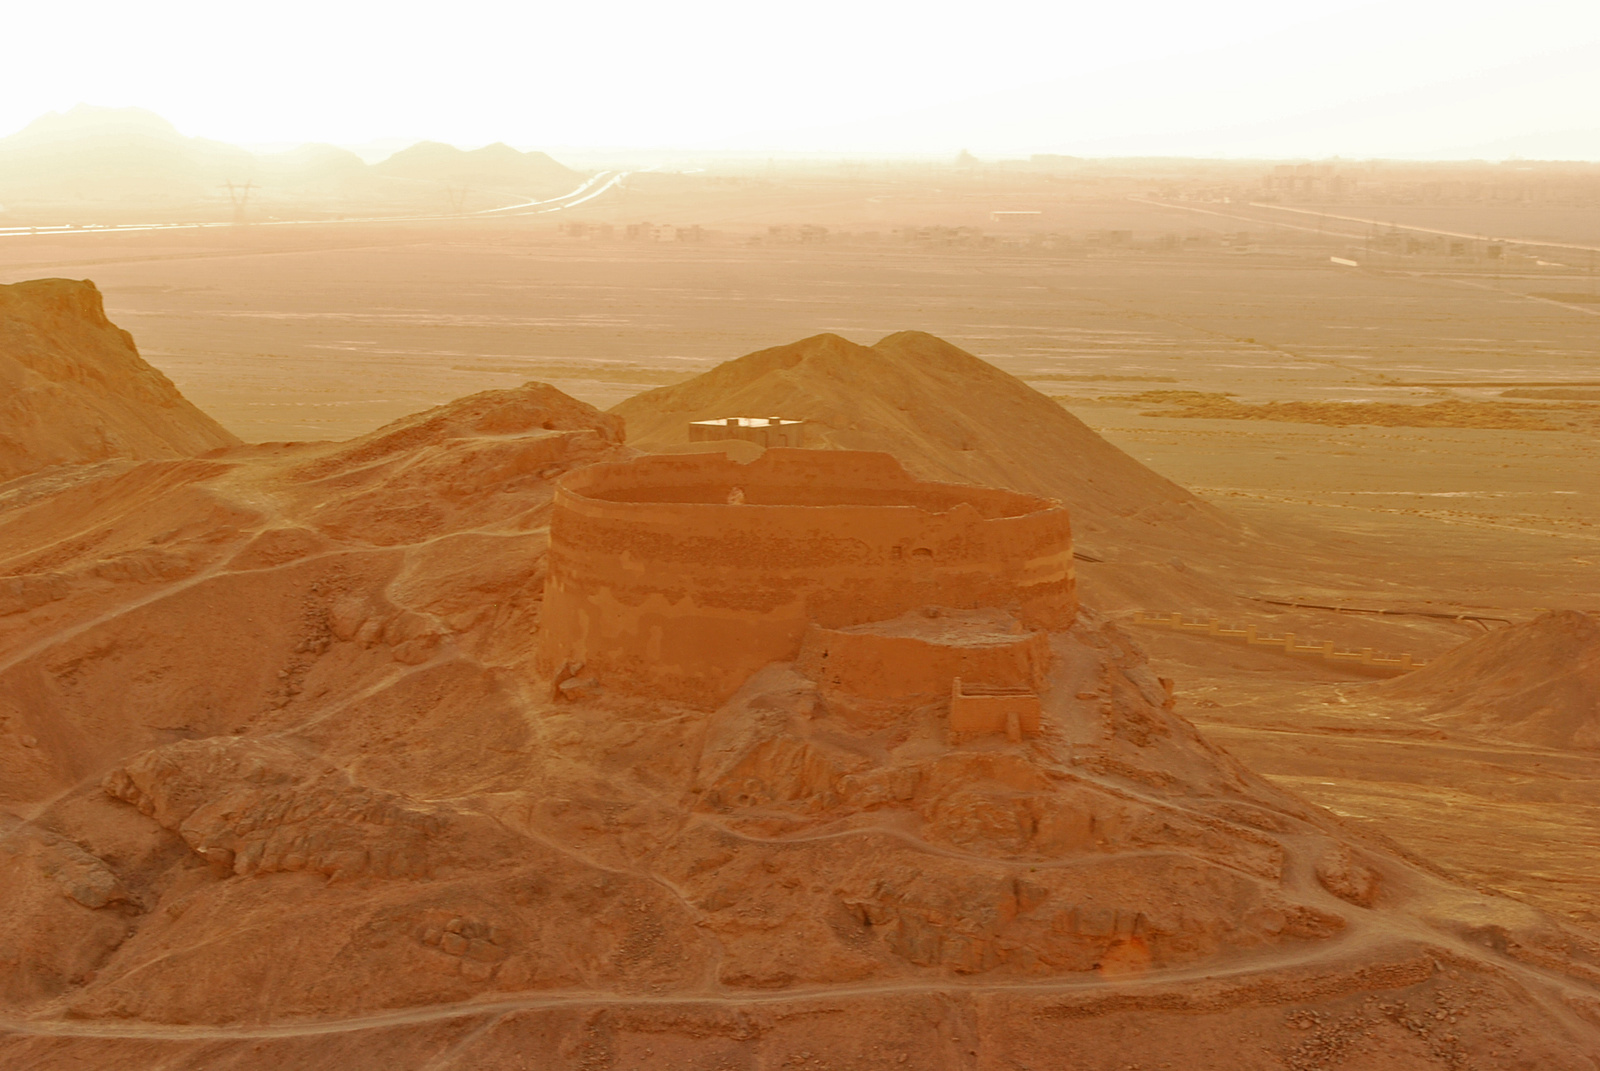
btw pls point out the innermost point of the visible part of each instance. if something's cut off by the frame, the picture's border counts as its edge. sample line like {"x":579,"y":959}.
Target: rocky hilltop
{"x":281,"y":784}
{"x":73,"y":387}
{"x":947,"y":416}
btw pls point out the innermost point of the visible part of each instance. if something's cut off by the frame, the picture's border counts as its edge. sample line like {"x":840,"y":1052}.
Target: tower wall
{"x":659,"y":586}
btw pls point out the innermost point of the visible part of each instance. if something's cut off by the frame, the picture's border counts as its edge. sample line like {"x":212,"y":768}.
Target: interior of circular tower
{"x":680,"y":576}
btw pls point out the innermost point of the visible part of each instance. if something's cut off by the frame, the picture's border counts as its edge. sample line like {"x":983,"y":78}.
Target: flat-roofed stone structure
{"x":976,"y":709}
{"x":763,"y":431}
{"x":681,"y":575}
{"x":885,"y":667}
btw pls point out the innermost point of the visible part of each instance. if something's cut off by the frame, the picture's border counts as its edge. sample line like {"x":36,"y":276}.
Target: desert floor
{"x":308,"y":333}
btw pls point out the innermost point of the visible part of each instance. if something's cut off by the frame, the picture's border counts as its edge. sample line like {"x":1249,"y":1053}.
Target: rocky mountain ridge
{"x":115,"y":157}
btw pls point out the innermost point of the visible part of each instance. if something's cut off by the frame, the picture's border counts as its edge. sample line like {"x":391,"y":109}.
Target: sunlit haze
{"x":839,"y":535}
{"x":1419,"y":78}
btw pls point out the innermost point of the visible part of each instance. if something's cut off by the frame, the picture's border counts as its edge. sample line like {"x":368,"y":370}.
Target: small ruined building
{"x":990,"y":666}
{"x":679,"y":576}
{"x":763,"y":431}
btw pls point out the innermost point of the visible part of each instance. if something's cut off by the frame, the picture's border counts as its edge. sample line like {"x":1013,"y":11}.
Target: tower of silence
{"x":680,"y":576}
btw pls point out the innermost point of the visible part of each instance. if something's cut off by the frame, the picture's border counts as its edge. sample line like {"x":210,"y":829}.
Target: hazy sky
{"x":1234,"y":77}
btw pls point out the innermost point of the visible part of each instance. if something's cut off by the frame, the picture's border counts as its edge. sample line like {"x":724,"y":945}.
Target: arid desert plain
{"x":286,"y":782}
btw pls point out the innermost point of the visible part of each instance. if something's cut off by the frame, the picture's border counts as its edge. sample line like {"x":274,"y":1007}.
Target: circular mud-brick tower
{"x":679,"y":576}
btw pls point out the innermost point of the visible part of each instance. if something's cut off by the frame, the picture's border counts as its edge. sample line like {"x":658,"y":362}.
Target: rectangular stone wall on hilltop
{"x":875,"y":666}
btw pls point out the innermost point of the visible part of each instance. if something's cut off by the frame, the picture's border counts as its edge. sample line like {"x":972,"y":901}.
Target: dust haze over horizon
{"x":1415,"y":79}
{"x":1166,"y":633}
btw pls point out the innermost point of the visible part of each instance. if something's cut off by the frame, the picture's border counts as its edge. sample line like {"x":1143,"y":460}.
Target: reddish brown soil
{"x":74,"y":388}
{"x":280,"y":784}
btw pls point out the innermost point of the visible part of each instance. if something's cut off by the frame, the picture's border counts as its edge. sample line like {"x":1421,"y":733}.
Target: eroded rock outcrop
{"x":206,"y":596}
{"x":66,"y":911}
{"x":258,"y":807}
{"x":1095,"y":846}
{"x":73,"y":388}
{"x":464,"y":465}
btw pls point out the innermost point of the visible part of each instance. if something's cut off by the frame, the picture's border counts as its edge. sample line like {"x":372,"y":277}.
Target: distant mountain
{"x":95,"y":154}
{"x":87,"y":123}
{"x":73,"y":388}
{"x":316,"y":162}
{"x":129,"y":156}
{"x":497,"y":165}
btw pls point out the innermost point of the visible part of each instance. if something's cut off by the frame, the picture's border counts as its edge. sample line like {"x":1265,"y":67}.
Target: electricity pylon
{"x":240,"y":196}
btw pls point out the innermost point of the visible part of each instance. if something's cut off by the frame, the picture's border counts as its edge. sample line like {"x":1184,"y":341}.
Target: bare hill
{"x":497,"y":165}
{"x":947,"y":415}
{"x":74,"y":388}
{"x":128,"y":159}
{"x":1535,"y":683}
{"x":313,"y":164}
{"x":90,"y":153}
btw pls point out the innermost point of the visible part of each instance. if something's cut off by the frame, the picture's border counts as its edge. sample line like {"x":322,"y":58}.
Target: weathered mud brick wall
{"x":912,"y":659}
{"x":681,"y":575}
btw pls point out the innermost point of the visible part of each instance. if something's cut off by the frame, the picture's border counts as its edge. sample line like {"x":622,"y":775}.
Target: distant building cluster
{"x":1400,"y":242}
{"x":664,"y":232}
{"x":587,"y":230}
{"x":1392,"y":183}
{"x":805,"y":233}
{"x":636,"y":232}
{"x":1306,"y":182}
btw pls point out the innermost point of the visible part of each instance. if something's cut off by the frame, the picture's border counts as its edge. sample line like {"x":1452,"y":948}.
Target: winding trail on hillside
{"x":1242,"y":983}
